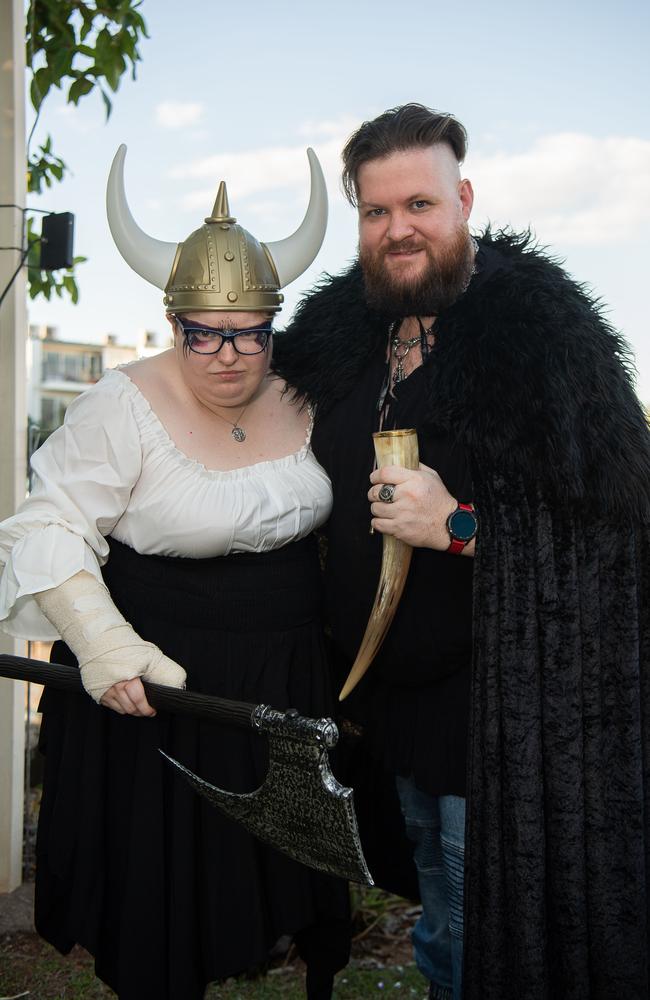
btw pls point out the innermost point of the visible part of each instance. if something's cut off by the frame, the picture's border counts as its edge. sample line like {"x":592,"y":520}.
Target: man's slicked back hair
{"x":410,"y":126}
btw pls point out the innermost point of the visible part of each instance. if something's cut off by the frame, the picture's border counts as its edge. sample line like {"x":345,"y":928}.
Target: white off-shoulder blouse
{"x":112,"y":469}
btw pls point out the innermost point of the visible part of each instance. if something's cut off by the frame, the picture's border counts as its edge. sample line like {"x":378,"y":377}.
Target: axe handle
{"x":201,"y":706}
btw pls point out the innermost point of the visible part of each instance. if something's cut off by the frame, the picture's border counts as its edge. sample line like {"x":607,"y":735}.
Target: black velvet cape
{"x":531,"y":380}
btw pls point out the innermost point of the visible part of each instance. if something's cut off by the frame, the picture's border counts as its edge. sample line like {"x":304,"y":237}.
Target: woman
{"x":189,"y":478}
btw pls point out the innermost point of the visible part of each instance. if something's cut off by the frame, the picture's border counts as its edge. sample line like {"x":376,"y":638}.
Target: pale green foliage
{"x":79,"y":48}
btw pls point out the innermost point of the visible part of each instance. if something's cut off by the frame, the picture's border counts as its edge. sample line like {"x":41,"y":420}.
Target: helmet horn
{"x":151,"y":259}
{"x":294,"y":254}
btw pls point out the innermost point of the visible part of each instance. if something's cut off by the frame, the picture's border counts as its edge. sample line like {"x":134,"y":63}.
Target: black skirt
{"x":163,"y":890}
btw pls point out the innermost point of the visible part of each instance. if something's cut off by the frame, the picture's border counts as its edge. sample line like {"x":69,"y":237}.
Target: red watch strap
{"x":457,"y":545}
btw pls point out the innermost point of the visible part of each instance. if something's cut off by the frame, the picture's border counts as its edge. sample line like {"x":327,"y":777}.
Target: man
{"x":516,"y":680}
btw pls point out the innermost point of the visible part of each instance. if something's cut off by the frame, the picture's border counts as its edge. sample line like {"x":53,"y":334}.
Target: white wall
{"x":13,"y":417}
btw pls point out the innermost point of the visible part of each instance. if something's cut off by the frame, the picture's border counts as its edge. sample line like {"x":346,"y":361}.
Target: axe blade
{"x":301,"y":809}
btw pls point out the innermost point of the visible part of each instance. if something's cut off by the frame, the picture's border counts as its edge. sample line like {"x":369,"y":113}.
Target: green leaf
{"x":138,"y":20}
{"x":71,"y":288}
{"x":35,"y":95}
{"x":33,"y":179}
{"x":59,"y":64}
{"x":107,"y":103}
{"x":113,"y":73}
{"x":42,"y":82}
{"x":79,"y":88}
{"x":67,"y":32}
{"x":102,"y":45}
{"x":33,"y":260}
{"x":127,"y":44}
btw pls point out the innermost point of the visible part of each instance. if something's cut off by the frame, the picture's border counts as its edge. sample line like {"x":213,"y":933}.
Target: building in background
{"x":59,"y":370}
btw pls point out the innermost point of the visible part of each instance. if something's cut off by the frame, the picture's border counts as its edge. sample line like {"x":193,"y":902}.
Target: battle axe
{"x":301,"y":809}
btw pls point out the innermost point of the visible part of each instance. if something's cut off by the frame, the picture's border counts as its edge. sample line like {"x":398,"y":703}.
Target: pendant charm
{"x":239,"y":434}
{"x":400,"y":350}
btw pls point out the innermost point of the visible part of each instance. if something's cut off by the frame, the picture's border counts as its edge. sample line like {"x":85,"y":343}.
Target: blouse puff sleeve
{"x":83,"y":477}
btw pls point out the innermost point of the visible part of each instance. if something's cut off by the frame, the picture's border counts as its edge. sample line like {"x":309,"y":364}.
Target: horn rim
{"x":152,"y":259}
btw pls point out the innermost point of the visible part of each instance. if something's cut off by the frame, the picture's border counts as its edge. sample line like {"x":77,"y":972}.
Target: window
{"x":52,"y":412}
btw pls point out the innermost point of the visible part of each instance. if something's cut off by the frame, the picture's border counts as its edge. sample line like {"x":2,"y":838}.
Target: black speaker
{"x":57,"y":237}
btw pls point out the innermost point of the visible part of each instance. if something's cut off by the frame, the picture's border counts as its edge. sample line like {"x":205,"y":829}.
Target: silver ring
{"x":387,"y":493}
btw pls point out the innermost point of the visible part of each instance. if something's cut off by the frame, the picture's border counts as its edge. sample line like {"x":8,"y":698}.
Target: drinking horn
{"x":391,"y":448}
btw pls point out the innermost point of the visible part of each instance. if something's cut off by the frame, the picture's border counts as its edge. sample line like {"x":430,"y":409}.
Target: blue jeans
{"x":436,"y":825}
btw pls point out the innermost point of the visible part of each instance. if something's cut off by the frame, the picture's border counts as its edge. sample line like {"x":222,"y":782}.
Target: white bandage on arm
{"x":106,"y":646}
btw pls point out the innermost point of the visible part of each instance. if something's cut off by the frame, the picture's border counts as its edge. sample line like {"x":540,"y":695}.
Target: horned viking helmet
{"x":220,"y":266}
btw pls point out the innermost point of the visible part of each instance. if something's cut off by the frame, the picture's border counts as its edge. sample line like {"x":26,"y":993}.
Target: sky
{"x":554,"y":97}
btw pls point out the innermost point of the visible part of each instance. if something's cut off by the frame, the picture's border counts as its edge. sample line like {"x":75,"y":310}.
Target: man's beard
{"x":447,"y":275}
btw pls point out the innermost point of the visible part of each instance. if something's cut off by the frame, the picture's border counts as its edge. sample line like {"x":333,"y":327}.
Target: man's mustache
{"x":405,"y":245}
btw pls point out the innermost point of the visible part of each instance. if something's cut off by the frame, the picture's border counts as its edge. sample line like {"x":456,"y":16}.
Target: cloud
{"x":258,"y":171}
{"x":342,"y":126}
{"x":265,"y":211}
{"x":178,"y":114}
{"x":571,"y":188}
{"x":77,"y":119}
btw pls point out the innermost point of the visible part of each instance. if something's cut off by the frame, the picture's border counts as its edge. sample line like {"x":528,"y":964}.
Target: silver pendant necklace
{"x":237,"y":432}
{"x":400,"y":349}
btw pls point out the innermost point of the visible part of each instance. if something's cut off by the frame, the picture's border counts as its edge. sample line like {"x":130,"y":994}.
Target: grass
{"x":31,"y":969}
{"x":351,"y":984}
{"x":381,"y":964}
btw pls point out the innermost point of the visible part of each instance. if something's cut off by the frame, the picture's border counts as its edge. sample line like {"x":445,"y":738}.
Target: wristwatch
{"x":461,"y":525}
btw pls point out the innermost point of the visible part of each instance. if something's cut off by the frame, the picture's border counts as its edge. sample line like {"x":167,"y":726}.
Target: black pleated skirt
{"x":163,"y":890}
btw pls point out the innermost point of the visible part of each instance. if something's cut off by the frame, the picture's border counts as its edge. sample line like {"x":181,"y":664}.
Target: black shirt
{"x":416,"y":693}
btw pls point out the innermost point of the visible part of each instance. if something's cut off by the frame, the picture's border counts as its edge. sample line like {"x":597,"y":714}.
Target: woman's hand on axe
{"x":127,"y":698}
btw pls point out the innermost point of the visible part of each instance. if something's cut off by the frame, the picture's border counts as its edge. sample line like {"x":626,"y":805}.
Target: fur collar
{"x":526,"y":374}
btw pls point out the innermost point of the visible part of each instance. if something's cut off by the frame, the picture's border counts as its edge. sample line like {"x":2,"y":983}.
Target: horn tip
{"x":118,"y":159}
{"x":313,"y":159}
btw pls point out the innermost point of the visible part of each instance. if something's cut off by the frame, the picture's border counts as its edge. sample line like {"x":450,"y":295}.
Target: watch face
{"x":462,"y":525}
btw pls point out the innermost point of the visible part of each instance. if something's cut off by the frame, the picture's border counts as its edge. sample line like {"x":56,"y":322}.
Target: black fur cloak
{"x":531,"y":380}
